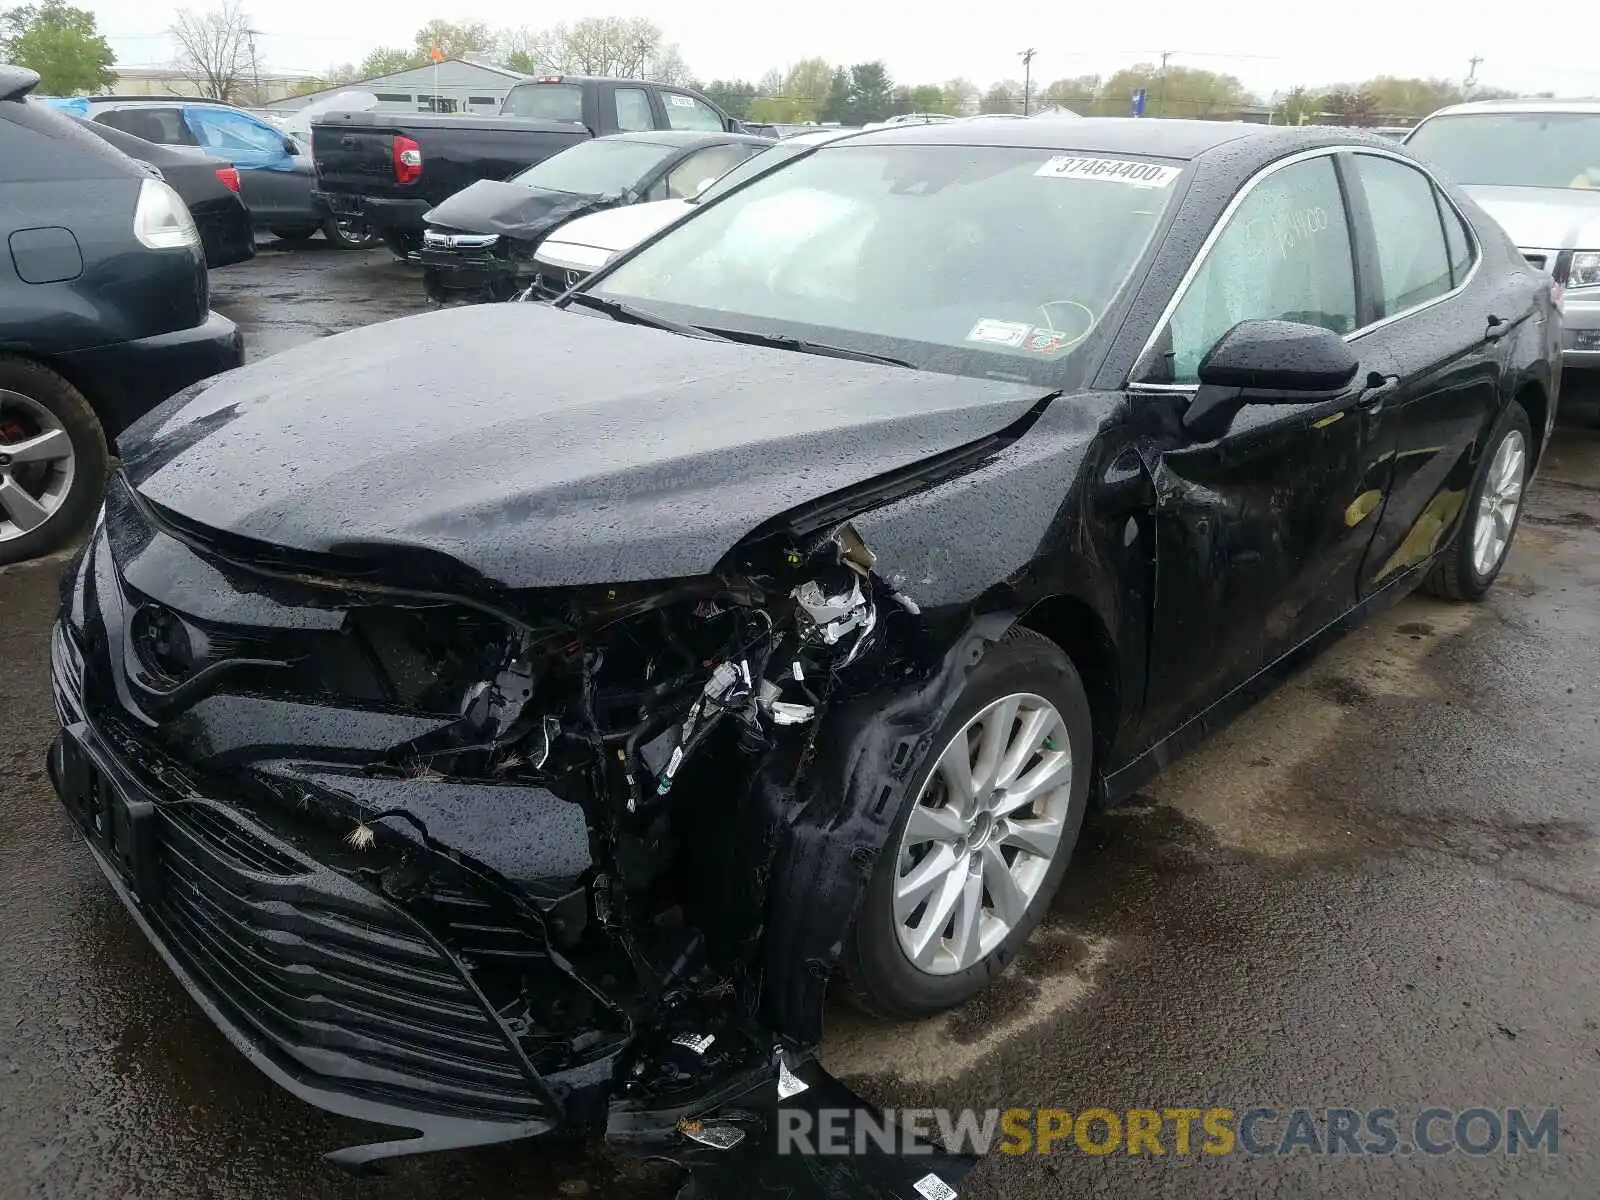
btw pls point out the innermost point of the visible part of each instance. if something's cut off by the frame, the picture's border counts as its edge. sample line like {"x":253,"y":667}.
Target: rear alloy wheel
{"x":1489,"y":519}
{"x":973,"y":861}
{"x":350,"y":233}
{"x":52,"y":460}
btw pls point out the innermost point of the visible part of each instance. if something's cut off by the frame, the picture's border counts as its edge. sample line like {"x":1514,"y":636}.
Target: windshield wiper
{"x":619,"y":311}
{"x":779,"y":341}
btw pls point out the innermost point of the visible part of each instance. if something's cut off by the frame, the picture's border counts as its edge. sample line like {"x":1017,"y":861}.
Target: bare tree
{"x":215,"y":51}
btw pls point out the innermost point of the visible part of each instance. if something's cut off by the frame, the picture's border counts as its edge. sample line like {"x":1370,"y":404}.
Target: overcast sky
{"x":1269,"y":44}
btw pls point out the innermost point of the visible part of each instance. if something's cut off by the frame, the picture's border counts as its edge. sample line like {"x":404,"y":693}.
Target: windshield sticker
{"x":1045,"y":341}
{"x":1113,"y":170}
{"x":999,"y":333}
{"x":680,"y":101}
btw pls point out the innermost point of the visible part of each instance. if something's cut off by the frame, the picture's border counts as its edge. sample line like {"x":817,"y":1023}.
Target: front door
{"x":1260,"y":532}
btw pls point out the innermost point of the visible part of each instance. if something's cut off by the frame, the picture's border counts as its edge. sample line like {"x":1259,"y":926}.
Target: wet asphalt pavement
{"x":1379,"y":888}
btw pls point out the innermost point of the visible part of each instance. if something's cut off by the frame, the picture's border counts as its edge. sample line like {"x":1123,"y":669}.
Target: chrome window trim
{"x":1233,"y":206}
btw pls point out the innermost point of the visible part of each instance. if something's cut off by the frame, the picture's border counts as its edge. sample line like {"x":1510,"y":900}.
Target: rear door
{"x":1433,"y":322}
{"x":276,"y":181}
{"x":1259,"y":531}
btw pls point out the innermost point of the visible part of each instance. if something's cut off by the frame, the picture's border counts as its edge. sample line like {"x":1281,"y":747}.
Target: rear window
{"x":164,"y":126}
{"x":38,"y":143}
{"x":545,"y":102}
{"x":1530,"y":149}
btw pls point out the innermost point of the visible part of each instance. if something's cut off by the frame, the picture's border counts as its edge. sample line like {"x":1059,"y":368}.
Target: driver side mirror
{"x":704,"y":184}
{"x":289,"y":147}
{"x":1267,"y":362}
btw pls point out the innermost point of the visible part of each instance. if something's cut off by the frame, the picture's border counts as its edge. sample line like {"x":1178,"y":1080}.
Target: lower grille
{"x":343,"y":987}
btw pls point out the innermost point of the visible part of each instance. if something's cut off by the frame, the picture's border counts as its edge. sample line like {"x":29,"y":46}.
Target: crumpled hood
{"x":541,"y":447}
{"x":510,"y":209}
{"x":1543,"y":218}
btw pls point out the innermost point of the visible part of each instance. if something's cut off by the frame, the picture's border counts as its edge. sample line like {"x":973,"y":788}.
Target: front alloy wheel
{"x":37,"y":466}
{"x":1467,"y":567}
{"x":1498,"y":503}
{"x":992,"y":814}
{"x":982,"y":836}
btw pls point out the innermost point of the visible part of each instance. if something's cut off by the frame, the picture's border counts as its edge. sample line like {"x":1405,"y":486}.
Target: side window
{"x":633,"y":110}
{"x":684,"y":180}
{"x":1458,"y":241}
{"x":685,"y":112}
{"x":163,"y":126}
{"x":249,"y":143}
{"x":1285,"y":255}
{"x":1405,"y":223}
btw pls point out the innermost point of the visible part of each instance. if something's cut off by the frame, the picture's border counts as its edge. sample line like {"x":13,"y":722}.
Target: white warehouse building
{"x":454,"y":85}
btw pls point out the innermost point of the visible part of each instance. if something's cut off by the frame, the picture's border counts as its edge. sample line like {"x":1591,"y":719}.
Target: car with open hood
{"x":483,"y":238}
{"x":597,"y":683}
{"x":1534,"y":166}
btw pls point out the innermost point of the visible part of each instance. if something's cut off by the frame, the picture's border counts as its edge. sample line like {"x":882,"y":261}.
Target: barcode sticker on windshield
{"x":1112,"y":170}
{"x":679,"y":101}
{"x":934,"y":1188}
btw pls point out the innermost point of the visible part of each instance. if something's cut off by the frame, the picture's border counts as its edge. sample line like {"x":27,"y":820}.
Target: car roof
{"x":1123,"y":135}
{"x":1519,"y":106}
{"x":689,"y":137}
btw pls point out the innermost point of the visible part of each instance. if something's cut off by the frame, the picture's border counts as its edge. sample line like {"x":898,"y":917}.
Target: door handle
{"x":1497,"y":329}
{"x":1377,"y":392}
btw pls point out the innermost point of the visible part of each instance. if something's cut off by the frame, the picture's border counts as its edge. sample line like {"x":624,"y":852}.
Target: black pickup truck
{"x":388,"y":169}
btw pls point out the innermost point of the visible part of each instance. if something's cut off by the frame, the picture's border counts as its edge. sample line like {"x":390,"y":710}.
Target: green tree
{"x":453,"y":38}
{"x":1172,"y":92}
{"x":61,"y":43}
{"x":807,"y":83}
{"x":732,"y":96}
{"x":386,"y":60}
{"x":871,"y":93}
{"x":1077,"y":93}
{"x":1002,"y":97}
{"x":927,"y":97}
{"x":960,"y":96}
{"x":836,"y":107}
{"x":1351,"y":106}
{"x":1299,"y":106}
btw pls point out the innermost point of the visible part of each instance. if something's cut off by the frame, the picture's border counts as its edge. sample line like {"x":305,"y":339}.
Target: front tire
{"x":984,"y":837}
{"x":1470,"y":565}
{"x":53,"y":460}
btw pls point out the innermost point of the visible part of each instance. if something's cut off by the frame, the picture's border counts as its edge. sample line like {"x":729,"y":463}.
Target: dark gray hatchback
{"x":104,"y":312}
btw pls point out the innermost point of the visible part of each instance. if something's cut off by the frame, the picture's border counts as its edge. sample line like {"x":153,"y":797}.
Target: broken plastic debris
{"x":698,"y":1042}
{"x":934,"y":1188}
{"x":718,"y":1137}
{"x":784,"y":713}
{"x":832,"y":616}
{"x":789,"y":1084}
{"x":853,"y":550}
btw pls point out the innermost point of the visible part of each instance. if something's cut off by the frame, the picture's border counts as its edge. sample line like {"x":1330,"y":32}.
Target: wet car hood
{"x":1543,"y":218}
{"x":510,"y":209}
{"x":541,"y":447}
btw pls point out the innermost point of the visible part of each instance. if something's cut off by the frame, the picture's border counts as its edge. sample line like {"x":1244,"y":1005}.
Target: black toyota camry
{"x":519,"y":717}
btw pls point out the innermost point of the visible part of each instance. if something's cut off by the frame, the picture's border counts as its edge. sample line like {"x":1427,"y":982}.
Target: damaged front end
{"x":486,"y":863}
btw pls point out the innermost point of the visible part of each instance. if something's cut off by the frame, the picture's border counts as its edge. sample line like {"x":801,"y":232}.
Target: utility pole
{"x":1472,"y":73}
{"x":1027,"y":77}
{"x":255,"y":73}
{"x":1161,"y":84}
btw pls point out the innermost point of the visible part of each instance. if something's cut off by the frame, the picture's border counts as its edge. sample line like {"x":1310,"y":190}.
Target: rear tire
{"x":353,"y":236}
{"x":880,"y":972}
{"x":26,"y":488}
{"x":1467,"y":568}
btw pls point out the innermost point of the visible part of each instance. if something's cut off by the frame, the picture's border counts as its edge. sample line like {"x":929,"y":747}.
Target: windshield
{"x":595,"y":168}
{"x":1550,"y":150}
{"x":544,"y":102}
{"x":756,"y":164}
{"x":968,"y":260}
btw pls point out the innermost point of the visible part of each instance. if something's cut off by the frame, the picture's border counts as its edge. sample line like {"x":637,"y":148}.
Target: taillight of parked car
{"x":407,"y":160}
{"x":229,"y":177}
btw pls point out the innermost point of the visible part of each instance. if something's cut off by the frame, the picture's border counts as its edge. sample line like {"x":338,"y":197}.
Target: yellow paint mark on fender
{"x":1328,"y":420}
{"x":1362,"y":507}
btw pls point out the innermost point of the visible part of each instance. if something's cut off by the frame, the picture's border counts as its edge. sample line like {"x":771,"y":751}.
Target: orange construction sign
{"x":436,"y":54}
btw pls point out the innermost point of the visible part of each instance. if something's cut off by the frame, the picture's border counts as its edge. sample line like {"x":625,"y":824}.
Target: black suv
{"x":104,"y":312}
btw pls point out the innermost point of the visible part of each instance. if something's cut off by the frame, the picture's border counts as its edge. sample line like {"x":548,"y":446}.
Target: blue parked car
{"x":275,"y":170}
